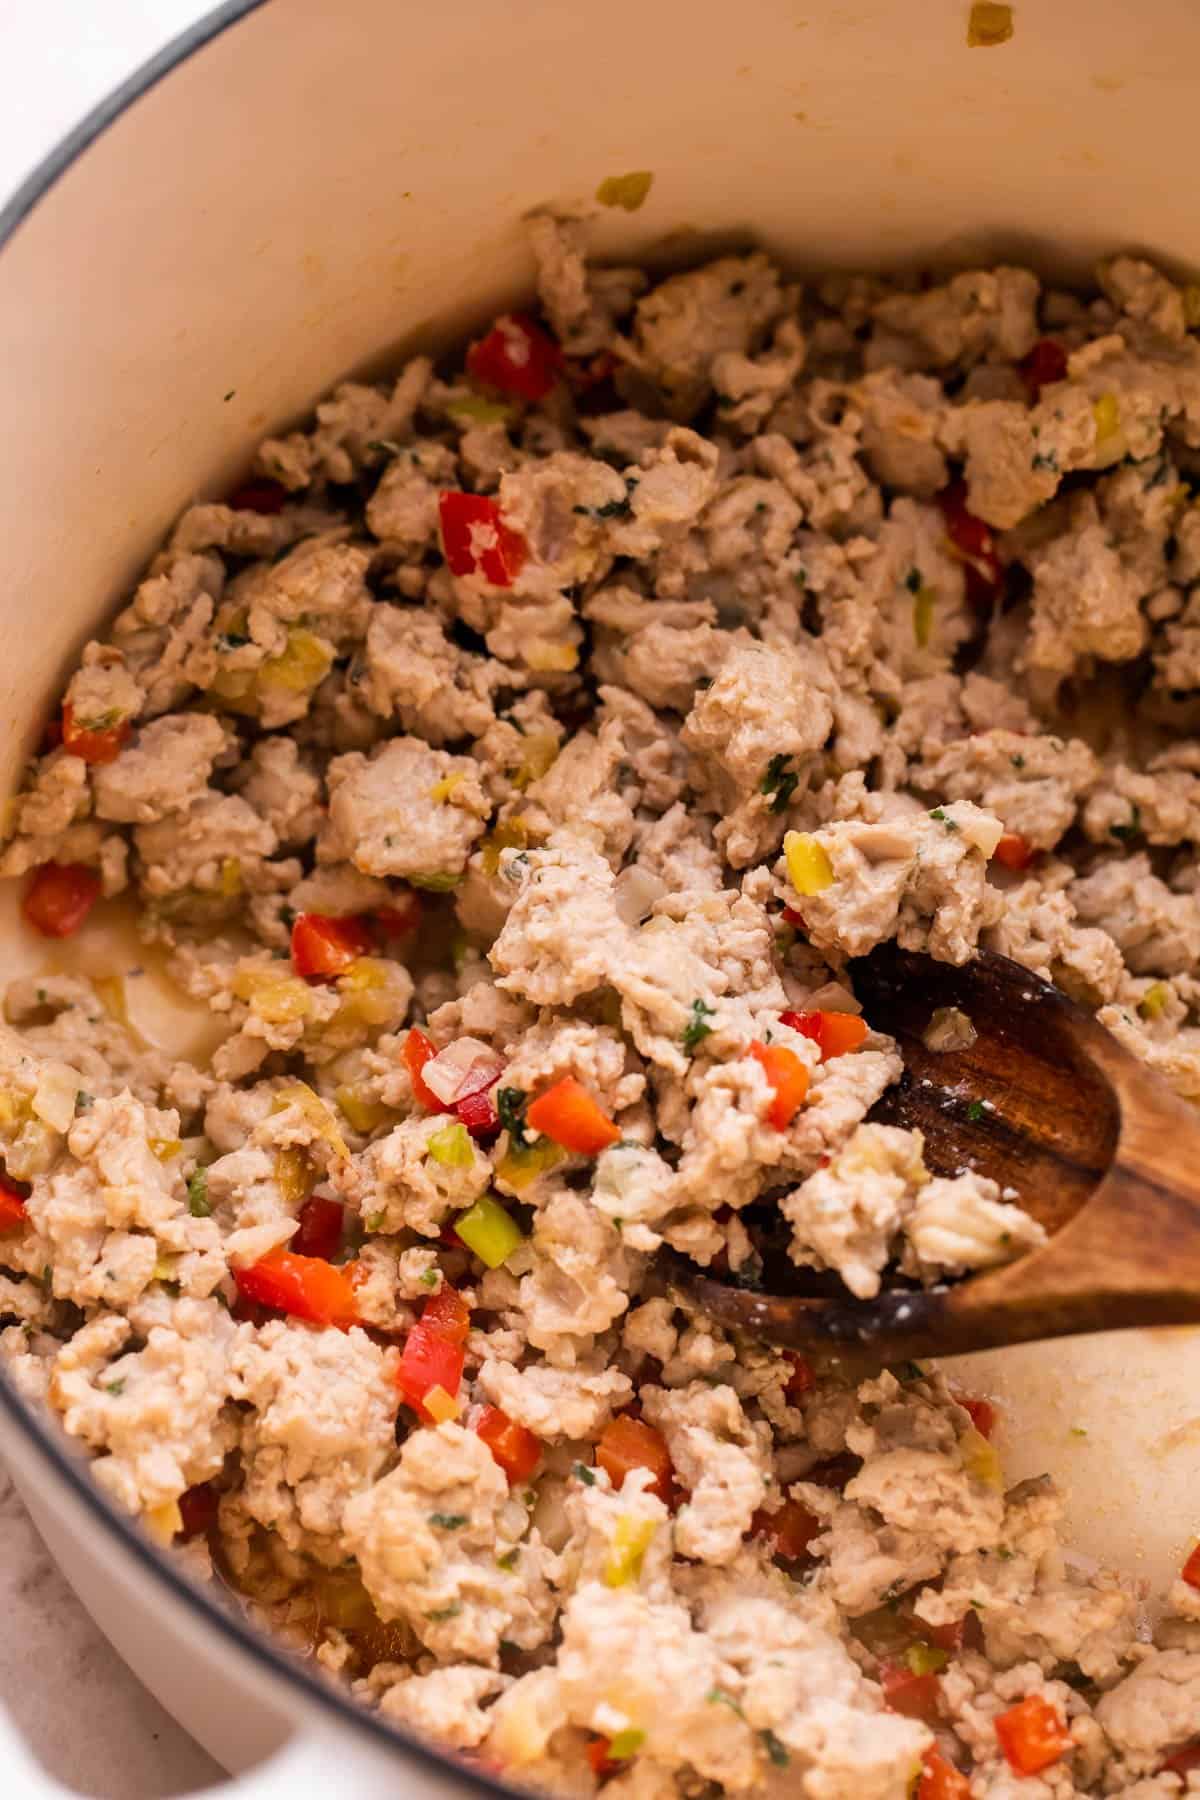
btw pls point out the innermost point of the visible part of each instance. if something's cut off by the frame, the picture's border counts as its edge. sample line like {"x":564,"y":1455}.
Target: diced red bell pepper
{"x":567,"y":1115}
{"x":1190,"y":1571}
{"x":102,"y":746}
{"x":789,"y":1531}
{"x":940,"y":1780}
{"x":12,"y":1205}
{"x":916,"y":1696}
{"x":448,"y":1314}
{"x":1045,"y":364}
{"x":306,"y":1287}
{"x":418,"y":1050}
{"x":791,"y":917}
{"x":628,"y":1443}
{"x":319,"y":1227}
{"x":789,"y":1078}
{"x":397,"y":920}
{"x":476,"y":540}
{"x":478,"y":1113}
{"x":946,"y":1637}
{"x":517,"y":357}
{"x":835,"y":1032}
{"x":198,"y":1509}
{"x":974,"y":540}
{"x":1182,"y":1761}
{"x":517,"y":1450}
{"x":323,"y":948}
{"x":429,"y":1360}
{"x":60,"y":897}
{"x":983,"y":1413}
{"x":802,"y":1379}
{"x":600,"y":1762}
{"x":1014,"y":851}
{"x":1032,"y":1735}
{"x":260,"y":496}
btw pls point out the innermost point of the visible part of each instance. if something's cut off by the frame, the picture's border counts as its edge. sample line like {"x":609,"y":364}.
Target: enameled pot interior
{"x":309,"y":190}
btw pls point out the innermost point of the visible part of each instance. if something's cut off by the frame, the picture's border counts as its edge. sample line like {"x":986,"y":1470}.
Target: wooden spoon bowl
{"x":1049,"y":1105}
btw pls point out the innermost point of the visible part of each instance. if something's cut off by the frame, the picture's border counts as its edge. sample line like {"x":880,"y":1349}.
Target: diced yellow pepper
{"x":539,"y":755}
{"x":110,"y":991}
{"x":231,"y":877}
{"x":547,"y":658}
{"x":302,"y":666}
{"x":1106,"y":413}
{"x":442,"y":790}
{"x":631,"y":1540}
{"x":519,"y":1169}
{"x":278,"y":999}
{"x":441,"y":1406}
{"x":235,"y":688}
{"x":314,"y":1109}
{"x":293,"y":1175}
{"x":1153,"y":1002}
{"x":165,"y":1148}
{"x":980,"y":1459}
{"x":624,"y":1744}
{"x":164,"y":1523}
{"x":923,"y":604}
{"x":361,"y":1114}
{"x":808,"y":865}
{"x":513,"y":834}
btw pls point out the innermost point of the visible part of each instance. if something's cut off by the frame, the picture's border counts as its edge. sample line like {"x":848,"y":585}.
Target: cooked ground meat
{"x":511,"y":766}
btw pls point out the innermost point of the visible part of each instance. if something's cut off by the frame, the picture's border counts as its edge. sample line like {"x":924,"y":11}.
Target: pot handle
{"x":310,"y":1762}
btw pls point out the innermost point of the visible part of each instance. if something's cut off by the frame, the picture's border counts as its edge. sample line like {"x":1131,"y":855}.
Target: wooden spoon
{"x":1048,"y":1104}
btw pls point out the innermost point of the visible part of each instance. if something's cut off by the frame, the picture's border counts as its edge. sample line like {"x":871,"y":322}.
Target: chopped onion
{"x":54,"y":1097}
{"x":949,"y":1029}
{"x":466,"y":1066}
{"x":635,"y":891}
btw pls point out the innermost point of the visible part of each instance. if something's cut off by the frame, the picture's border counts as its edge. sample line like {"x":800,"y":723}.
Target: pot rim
{"x":72,"y":1473}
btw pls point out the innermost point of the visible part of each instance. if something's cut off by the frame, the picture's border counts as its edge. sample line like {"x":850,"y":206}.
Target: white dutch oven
{"x":295,"y":189}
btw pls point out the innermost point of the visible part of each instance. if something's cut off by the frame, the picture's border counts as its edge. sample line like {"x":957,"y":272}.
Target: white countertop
{"x":86,"y":1717}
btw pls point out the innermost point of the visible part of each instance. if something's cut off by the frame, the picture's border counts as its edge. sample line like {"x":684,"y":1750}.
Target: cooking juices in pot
{"x":504,"y":774}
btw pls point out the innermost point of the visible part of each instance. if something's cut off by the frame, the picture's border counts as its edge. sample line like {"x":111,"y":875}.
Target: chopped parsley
{"x":383,"y":446}
{"x":84,"y":1101}
{"x":443,"y":1612}
{"x":510,"y":1110}
{"x":430,"y":1278}
{"x":1018,"y":761}
{"x":777,"y":1751}
{"x":448,"y":1521}
{"x":943,"y":818}
{"x":910,"y":1371}
{"x":1046,"y":460}
{"x":718,"y":1697}
{"x":1125,"y":832}
{"x":507,"y":1561}
{"x":199,"y":1204}
{"x":584,"y":1474}
{"x":115,"y":1388}
{"x":976,"y":1111}
{"x":779,"y":782}
{"x":697,"y":1028}
{"x":374,"y":1222}
{"x":912,"y":581}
